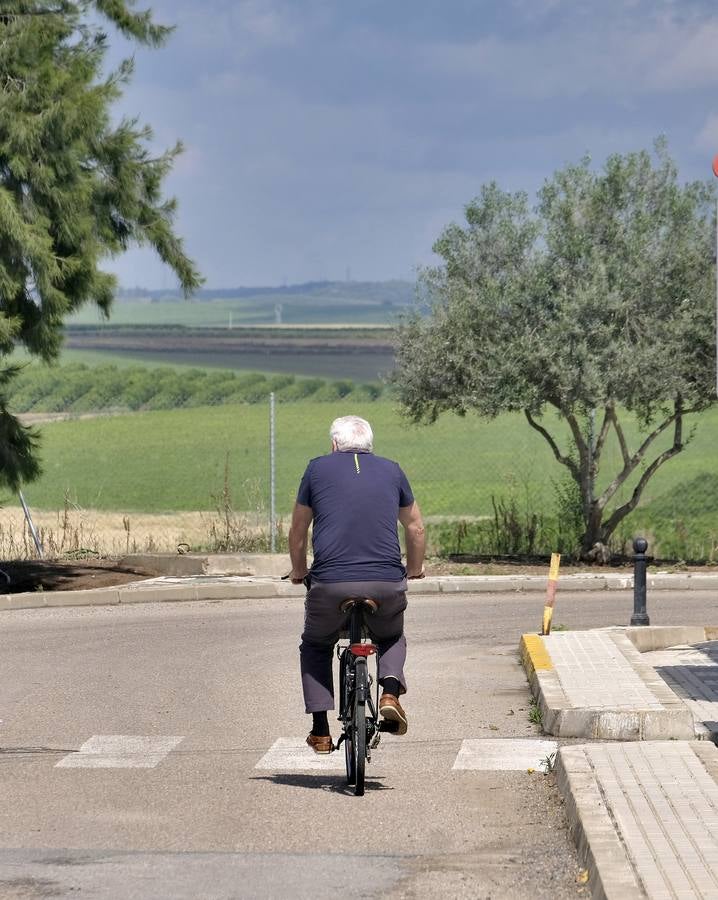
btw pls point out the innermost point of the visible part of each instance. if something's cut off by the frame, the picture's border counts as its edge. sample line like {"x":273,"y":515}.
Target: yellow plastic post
{"x":551,"y":593}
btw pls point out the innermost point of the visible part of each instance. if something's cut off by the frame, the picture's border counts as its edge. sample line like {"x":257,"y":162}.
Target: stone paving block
{"x":571,"y":723}
{"x":668,"y":724}
{"x":599,"y":847}
{"x":596,"y":684}
{"x":617,"y":725}
{"x":691,"y":675}
{"x":649,"y":806}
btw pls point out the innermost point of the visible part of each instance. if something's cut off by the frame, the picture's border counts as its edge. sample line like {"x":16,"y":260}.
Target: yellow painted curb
{"x":534,"y":654}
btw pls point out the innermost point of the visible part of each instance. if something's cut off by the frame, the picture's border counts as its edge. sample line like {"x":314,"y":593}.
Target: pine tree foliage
{"x":76,"y":187}
{"x":597,"y":302}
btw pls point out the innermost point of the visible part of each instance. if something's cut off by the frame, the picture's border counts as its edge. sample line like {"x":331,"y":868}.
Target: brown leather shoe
{"x":390,"y":709}
{"x":321,"y":744}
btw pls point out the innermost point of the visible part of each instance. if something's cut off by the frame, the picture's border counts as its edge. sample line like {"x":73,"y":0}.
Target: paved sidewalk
{"x":597,"y":685}
{"x":643,"y":811}
{"x":645,"y":817}
{"x":692,"y":674}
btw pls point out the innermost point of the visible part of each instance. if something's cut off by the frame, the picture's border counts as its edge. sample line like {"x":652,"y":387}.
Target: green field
{"x":174,"y":460}
{"x":332,"y":302}
{"x":335,"y":330}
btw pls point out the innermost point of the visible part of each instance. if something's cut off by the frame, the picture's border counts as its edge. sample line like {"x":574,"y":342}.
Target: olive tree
{"x":598,"y":303}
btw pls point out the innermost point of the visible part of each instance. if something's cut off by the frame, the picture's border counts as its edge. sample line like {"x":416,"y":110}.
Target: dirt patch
{"x":504,"y":567}
{"x":41,"y":575}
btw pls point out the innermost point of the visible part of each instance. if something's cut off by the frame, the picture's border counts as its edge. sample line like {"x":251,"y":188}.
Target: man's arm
{"x":298,"y":536}
{"x":410,"y":518}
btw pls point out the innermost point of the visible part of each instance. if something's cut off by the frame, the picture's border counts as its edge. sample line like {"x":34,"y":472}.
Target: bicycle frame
{"x":357,"y":700}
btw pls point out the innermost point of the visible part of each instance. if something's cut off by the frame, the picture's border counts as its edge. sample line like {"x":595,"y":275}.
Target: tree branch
{"x":602,"y":435}
{"x":630,"y":462}
{"x":621,"y":437}
{"x":621,"y":513}
{"x":564,"y":460}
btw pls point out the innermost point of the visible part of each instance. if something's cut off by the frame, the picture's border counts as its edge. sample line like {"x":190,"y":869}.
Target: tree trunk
{"x":598,"y":528}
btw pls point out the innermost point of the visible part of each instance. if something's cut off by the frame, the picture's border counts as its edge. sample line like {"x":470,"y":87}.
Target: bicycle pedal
{"x":388,"y":727}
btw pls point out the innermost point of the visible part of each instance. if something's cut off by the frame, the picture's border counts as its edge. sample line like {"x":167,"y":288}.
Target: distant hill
{"x":394,"y":293}
{"x":351,"y":303}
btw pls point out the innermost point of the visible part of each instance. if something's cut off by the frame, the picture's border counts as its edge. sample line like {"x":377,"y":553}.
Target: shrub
{"x":300,"y":389}
{"x":106,"y":391}
{"x":333,"y":390}
{"x":367,"y":392}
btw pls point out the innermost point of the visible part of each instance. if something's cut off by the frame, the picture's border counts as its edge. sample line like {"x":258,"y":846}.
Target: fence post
{"x":272,"y":509}
{"x":31,"y":526}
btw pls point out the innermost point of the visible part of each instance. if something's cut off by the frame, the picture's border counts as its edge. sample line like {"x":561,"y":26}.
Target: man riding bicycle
{"x":354,"y":499}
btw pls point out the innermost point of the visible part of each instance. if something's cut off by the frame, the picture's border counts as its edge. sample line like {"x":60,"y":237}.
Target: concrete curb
{"x":600,"y":849}
{"x":240,"y":564}
{"x":277,"y":564}
{"x":559,"y":717}
{"x":659,"y":637}
{"x":155,"y":591}
{"x":185,"y":583}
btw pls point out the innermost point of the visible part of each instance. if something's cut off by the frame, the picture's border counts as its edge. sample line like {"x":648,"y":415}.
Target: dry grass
{"x":75,"y":533}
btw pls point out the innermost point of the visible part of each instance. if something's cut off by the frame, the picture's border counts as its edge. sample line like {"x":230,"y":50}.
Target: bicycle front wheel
{"x":359,"y":725}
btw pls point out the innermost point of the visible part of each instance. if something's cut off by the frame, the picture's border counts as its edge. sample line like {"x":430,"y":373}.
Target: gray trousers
{"x":323,"y":621}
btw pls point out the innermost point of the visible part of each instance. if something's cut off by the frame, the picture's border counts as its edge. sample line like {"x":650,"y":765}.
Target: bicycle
{"x":358,"y":706}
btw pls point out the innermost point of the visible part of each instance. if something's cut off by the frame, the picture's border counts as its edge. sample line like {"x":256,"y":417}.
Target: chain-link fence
{"x":495,"y":488}
{"x":485,"y":488}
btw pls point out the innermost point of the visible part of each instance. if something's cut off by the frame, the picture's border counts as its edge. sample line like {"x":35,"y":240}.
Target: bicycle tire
{"x":346,"y":716}
{"x":361,"y":685}
{"x":349,"y":759}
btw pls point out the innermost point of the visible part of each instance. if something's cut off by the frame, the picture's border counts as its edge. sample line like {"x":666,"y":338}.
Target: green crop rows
{"x":78,"y":389}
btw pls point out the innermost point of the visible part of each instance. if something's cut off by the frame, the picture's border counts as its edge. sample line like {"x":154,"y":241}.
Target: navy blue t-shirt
{"x":355,"y":499}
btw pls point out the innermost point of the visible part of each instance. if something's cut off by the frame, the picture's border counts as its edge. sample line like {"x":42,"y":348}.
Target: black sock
{"x":320,"y":724}
{"x":391,"y":685}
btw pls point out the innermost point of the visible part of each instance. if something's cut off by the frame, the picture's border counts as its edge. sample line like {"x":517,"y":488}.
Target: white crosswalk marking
{"x":293,"y":755}
{"x":120,"y":751}
{"x":505,"y":754}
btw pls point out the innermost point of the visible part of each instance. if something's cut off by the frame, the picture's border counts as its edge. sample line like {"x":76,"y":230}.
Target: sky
{"x":328,"y":139}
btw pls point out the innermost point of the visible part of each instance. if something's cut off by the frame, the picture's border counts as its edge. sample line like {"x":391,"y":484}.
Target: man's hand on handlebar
{"x":297,"y":577}
{"x":421,"y":574}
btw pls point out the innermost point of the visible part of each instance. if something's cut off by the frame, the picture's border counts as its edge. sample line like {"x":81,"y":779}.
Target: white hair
{"x":352,"y":433}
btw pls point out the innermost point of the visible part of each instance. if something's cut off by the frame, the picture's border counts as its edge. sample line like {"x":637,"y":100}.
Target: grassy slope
{"x":174,"y":460}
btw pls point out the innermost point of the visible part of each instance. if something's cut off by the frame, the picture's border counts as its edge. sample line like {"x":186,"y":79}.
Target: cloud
{"x":632,"y":54}
{"x":323,"y":135}
{"x":684,"y":55}
{"x":239,"y":26}
{"x":707,"y":137}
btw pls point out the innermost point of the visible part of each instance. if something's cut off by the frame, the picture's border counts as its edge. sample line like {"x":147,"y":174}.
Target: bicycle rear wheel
{"x":361,"y":684}
{"x":345,"y":714}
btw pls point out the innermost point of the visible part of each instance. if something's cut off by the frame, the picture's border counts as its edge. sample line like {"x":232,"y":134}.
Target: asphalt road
{"x":219,"y":682}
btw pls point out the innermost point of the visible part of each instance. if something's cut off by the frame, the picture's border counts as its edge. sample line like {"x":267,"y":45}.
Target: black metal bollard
{"x":640,"y":562}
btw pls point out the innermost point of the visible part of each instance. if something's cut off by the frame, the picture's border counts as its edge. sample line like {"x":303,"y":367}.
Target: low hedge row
{"x":79,"y":388}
